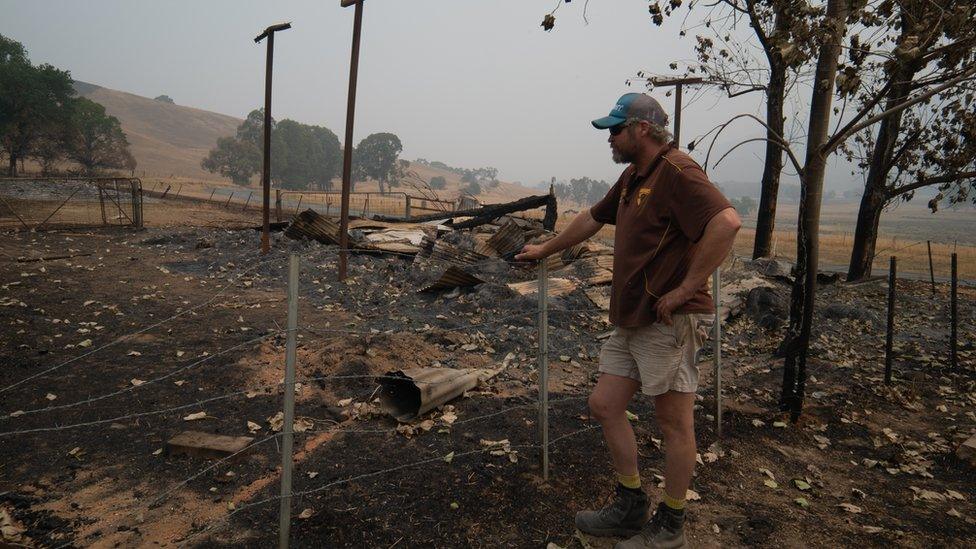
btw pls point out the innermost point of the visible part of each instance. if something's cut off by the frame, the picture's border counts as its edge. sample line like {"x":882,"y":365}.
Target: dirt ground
{"x":107,"y":353}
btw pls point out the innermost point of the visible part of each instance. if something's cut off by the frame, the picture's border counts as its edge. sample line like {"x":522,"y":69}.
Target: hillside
{"x":166,"y":139}
{"x":171,"y":140}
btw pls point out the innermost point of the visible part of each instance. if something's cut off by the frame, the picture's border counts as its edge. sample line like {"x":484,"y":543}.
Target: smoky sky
{"x":470,"y":83}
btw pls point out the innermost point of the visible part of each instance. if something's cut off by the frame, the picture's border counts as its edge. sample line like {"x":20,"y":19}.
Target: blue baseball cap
{"x":633,"y":105}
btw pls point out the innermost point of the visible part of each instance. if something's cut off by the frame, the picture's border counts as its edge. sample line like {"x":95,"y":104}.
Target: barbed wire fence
{"x":227,"y":290}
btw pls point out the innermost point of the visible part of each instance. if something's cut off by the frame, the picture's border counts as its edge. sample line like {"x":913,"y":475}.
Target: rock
{"x":767,"y":306}
{"x":770,"y":267}
{"x":967,"y":451}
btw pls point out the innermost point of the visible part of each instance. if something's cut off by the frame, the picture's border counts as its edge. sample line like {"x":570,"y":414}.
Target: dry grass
{"x":835,"y":250}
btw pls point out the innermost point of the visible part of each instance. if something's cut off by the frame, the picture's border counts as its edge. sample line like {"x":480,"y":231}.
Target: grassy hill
{"x":166,"y":139}
{"x":169,"y":141}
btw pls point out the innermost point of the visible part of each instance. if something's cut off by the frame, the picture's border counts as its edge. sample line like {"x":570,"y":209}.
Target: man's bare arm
{"x":713,"y":247}
{"x":580,"y":228}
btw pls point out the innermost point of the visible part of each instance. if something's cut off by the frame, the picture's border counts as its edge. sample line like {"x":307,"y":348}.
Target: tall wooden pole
{"x":266,"y":166}
{"x":357,"y":27}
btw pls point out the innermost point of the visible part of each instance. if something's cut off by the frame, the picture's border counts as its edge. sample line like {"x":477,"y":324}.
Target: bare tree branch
{"x":774,"y":142}
{"x":927,"y":181}
{"x":778,"y":141}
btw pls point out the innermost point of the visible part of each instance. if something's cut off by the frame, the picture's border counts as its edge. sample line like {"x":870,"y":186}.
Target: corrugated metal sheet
{"x":407,"y":394}
{"x":309,"y":224}
{"x":444,"y":251}
{"x":453,"y":277}
{"x":508,"y":240}
{"x":594,"y":270}
{"x":557,"y":287}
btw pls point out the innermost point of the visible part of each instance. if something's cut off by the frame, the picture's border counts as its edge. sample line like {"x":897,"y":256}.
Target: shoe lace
{"x":610,"y":504}
{"x":653,"y":526}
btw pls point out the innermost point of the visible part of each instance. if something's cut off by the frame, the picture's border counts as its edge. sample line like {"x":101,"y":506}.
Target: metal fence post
{"x":953,"y":312}
{"x":717,"y":334}
{"x":544,"y":365}
{"x":284,"y":514}
{"x":226,"y":204}
{"x":407,"y":209}
{"x":248,"y":201}
{"x":889,"y":338}
{"x":278,"y":205}
{"x":928,"y":243}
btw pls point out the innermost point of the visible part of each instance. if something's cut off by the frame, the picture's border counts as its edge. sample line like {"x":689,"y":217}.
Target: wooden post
{"x":101,"y":201}
{"x":717,"y":333}
{"x":137,"y":204}
{"x":278,"y":205}
{"x":226,"y":204}
{"x":245,"y":209}
{"x":168,"y":187}
{"x":300,"y":197}
{"x":212,"y":193}
{"x":287,"y":461}
{"x":544,"y":365}
{"x":406,"y":214}
{"x":890,"y":337}
{"x":357,"y":27}
{"x":954,"y":316}
{"x":928,"y":243}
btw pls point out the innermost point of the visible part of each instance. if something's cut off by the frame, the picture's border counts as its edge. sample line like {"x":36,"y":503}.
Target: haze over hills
{"x":166,"y":139}
{"x":171,"y":140}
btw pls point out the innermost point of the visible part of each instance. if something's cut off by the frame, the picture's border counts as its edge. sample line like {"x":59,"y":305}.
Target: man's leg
{"x":627,"y":513}
{"x":608,"y":405}
{"x":675,"y":417}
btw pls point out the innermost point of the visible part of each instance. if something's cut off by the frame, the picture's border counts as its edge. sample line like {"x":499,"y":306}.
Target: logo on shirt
{"x":641,"y":195}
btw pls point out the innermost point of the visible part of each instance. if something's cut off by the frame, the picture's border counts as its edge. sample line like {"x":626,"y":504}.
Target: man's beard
{"x":621,"y":157}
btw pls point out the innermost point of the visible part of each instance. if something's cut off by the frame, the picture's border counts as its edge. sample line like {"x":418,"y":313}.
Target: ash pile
{"x":447,"y":259}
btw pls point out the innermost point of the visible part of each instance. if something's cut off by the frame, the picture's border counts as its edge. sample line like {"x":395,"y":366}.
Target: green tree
{"x":95,"y":140}
{"x":376,"y":157}
{"x":234,"y":159}
{"x":239,"y":157}
{"x":473,"y":188}
{"x":438,"y":182}
{"x":328,"y":157}
{"x":33,"y":100}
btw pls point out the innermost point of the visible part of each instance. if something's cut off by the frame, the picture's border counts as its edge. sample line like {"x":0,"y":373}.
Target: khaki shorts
{"x":661,"y":357}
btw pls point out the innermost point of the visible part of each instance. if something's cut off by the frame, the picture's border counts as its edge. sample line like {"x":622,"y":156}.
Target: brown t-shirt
{"x":660,"y":216}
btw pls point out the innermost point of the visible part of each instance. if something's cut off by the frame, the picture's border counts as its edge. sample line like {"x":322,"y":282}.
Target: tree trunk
{"x":803,"y":296}
{"x":773,"y":164}
{"x":866,"y":233}
{"x":12,"y":165}
{"x":875,"y":187}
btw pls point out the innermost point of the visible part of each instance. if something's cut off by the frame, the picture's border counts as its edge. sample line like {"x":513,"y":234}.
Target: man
{"x":673,"y":228}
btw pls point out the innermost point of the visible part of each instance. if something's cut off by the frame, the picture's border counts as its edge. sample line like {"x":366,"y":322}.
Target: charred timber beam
{"x":486,"y":214}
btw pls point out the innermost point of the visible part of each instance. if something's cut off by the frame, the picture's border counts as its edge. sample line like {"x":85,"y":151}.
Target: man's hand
{"x":671,"y":301}
{"x":531,"y":252}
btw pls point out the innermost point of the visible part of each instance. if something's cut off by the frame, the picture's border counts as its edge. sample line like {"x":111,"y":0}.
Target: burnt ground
{"x":877,"y":464}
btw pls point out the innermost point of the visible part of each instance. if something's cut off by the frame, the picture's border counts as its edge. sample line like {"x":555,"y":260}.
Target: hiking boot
{"x":624,"y":516}
{"x":665,"y":530}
